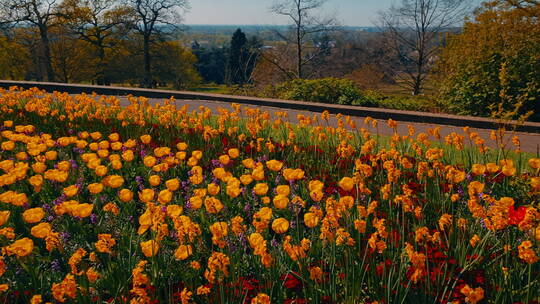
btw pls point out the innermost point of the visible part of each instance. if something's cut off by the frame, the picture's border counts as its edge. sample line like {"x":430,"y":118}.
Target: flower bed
{"x":155,"y":204}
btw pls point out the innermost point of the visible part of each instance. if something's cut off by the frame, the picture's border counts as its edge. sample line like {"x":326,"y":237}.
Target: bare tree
{"x":523,"y":3}
{"x":97,"y":22}
{"x":415,"y":29}
{"x":150,"y":15}
{"x":305,"y":23}
{"x":532,"y":7}
{"x":41,"y":14}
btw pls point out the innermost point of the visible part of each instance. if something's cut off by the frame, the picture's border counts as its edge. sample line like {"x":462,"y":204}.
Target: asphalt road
{"x":530,"y":142}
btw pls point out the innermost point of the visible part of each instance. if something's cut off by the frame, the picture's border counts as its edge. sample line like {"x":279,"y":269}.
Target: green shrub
{"x":326,"y":90}
{"x":407,"y":103}
{"x":345,"y":92}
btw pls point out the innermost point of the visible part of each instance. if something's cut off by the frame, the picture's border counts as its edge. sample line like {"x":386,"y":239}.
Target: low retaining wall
{"x":405,"y":116}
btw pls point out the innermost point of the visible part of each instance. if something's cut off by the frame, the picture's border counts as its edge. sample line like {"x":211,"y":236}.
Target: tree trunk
{"x":417,"y":81}
{"x":299,"y":40}
{"x":416,"y":86}
{"x":299,"y":55}
{"x":100,"y":77}
{"x":147,"y":59}
{"x":46,"y":53}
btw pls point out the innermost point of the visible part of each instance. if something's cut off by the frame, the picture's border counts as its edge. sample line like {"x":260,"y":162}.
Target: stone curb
{"x":398,"y":115}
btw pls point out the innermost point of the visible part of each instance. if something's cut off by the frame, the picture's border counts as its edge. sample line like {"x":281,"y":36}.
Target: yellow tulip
{"x":115,"y":181}
{"x":165,"y":196}
{"x":41,"y":230}
{"x":150,"y":248}
{"x":154,"y":180}
{"x":95,"y":188}
{"x":274,"y":165}
{"x":125,"y":195}
{"x":261,"y":189}
{"x":284,"y":190}
{"x":311,"y":219}
{"x":213,"y":189}
{"x":183,"y":252}
{"x":71,"y":190}
{"x":4,"y":216}
{"x":20,"y":248}
{"x":172,"y":184}
{"x":280,"y":201}
{"x":224,"y":159}
{"x":174,"y":211}
{"x":33,"y":215}
{"x":146,"y":195}
{"x":82,"y":210}
{"x":346,"y":183}
{"x":478,"y":169}
{"x":146,"y":139}
{"x":233,"y":153}
{"x":280,"y":225}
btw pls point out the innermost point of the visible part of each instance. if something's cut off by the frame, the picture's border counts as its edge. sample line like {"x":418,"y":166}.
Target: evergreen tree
{"x":237,"y":57}
{"x":211,"y":64}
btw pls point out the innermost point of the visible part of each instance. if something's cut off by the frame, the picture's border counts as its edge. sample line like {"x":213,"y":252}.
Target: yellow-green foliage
{"x":495,"y":60}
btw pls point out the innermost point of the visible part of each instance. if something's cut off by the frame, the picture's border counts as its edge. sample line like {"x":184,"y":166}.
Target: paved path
{"x":530,"y":142}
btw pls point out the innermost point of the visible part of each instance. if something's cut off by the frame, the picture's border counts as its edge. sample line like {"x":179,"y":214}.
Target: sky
{"x":348,"y":12}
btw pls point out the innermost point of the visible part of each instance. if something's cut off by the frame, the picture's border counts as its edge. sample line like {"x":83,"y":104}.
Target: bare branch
{"x":305,"y":22}
{"x":414,"y":26}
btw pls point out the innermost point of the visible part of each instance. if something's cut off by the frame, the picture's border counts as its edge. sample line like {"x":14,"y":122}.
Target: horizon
{"x":256,"y":12}
{"x":354,"y":13}
{"x":262,"y":24}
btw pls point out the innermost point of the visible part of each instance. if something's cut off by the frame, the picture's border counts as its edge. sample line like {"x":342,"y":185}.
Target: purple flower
{"x":55,"y":265}
{"x":93,"y":218}
{"x":243,"y":240}
{"x":65,"y":236}
{"x":216,"y":163}
{"x":73,"y":164}
{"x":482,"y":223}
